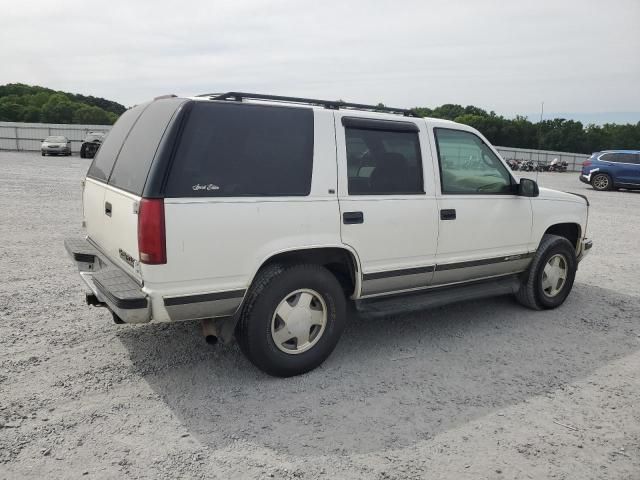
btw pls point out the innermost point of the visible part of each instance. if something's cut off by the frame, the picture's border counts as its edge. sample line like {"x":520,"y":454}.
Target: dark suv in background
{"x":612,"y":169}
{"x":90,"y":144}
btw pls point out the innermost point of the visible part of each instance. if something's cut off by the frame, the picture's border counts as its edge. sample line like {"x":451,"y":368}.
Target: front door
{"x":485,"y":227}
{"x":388,"y":208}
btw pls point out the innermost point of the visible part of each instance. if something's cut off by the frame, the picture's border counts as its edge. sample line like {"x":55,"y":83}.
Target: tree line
{"x":26,"y":103}
{"x":558,"y":134}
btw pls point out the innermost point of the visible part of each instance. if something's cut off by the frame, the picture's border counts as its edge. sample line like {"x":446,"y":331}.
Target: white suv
{"x":264,"y":216}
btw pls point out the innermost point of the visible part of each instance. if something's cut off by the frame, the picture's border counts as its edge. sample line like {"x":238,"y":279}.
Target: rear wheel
{"x":551,"y":274}
{"x":601,"y":182}
{"x":292,"y":319}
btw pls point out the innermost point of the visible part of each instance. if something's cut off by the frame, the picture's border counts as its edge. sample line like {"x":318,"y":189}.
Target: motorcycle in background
{"x":558,"y":166}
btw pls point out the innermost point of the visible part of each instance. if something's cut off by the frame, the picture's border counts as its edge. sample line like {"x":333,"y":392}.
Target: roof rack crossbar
{"x":330,"y":104}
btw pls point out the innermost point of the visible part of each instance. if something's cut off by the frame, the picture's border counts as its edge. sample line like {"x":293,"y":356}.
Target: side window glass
{"x":106,"y":157}
{"x":626,"y":158}
{"x":383,"y":162}
{"x":468,"y":165}
{"x":139,"y":148}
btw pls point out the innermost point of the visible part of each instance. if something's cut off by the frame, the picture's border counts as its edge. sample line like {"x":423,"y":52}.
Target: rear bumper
{"x":586,"y":177}
{"x":109,"y":283}
{"x":59,"y":151}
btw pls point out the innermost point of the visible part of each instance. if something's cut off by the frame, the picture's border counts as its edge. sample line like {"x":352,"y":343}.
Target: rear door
{"x":116,"y":180}
{"x":387,"y":200}
{"x":627,"y":168}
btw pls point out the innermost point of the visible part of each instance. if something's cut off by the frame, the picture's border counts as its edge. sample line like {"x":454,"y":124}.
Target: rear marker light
{"x":151,"y":232}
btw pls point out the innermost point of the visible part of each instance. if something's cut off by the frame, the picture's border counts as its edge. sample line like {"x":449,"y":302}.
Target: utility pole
{"x":540,"y":126}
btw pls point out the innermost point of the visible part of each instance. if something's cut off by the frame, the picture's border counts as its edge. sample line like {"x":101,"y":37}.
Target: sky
{"x":579,"y":57}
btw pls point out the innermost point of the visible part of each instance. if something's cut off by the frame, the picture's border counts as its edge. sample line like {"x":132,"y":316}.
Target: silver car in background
{"x":56,"y":145}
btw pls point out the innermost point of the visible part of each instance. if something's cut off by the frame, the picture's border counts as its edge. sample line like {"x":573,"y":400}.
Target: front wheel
{"x":551,"y":274}
{"x":292,"y":319}
{"x":601,"y":182}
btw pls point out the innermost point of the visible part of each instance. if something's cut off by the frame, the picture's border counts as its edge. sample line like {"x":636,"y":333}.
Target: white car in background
{"x":265,"y":216}
{"x":56,"y":145}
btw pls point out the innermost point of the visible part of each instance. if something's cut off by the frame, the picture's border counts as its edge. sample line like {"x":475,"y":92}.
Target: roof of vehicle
{"x":370,"y":111}
{"x":619,"y":151}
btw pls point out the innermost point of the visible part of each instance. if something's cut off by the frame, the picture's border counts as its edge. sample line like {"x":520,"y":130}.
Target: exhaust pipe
{"x":92,"y":300}
{"x":210,"y":331}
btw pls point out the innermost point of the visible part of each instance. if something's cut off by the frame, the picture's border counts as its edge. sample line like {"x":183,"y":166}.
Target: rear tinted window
{"x":106,"y":156}
{"x":243,"y":150}
{"x":139,"y":149}
{"x":620,"y":157}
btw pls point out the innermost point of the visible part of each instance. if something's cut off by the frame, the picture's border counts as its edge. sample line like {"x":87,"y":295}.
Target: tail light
{"x":151,"y":233}
{"x":586,"y":163}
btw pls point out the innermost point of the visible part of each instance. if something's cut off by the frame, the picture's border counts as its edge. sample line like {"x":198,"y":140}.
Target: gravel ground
{"x":474,"y":390}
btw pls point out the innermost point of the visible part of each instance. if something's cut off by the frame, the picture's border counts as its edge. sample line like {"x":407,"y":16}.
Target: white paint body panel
{"x":553,"y":207}
{"x":115,"y":232}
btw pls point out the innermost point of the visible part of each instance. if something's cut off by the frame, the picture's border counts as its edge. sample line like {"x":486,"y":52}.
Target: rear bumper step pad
{"x":111,"y":285}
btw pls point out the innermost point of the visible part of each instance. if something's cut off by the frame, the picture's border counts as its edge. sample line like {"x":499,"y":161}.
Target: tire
{"x":43,"y":154}
{"x":259,"y":321}
{"x":601,"y":182}
{"x":535,"y":292}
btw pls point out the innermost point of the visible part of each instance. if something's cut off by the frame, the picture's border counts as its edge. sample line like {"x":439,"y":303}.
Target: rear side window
{"x":105,"y":158}
{"x":620,"y":157}
{"x":243,"y":150}
{"x":139,"y":149}
{"x":381,"y":160}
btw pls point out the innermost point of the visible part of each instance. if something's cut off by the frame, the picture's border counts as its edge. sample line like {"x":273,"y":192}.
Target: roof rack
{"x":330,"y":104}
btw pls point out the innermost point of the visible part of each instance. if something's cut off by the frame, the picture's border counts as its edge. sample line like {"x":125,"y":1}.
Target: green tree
{"x":448,"y":111}
{"x":91,"y":115}
{"x":31,"y":114}
{"x":20,"y":102}
{"x":10,"y":111}
{"x":58,"y":109}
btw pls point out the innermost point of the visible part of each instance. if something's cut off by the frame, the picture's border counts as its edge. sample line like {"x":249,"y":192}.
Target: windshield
{"x":56,"y":139}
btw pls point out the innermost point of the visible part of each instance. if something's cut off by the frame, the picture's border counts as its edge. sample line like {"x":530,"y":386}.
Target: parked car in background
{"x":56,"y":145}
{"x":612,"y":169}
{"x":265,"y":216}
{"x":90,"y":144}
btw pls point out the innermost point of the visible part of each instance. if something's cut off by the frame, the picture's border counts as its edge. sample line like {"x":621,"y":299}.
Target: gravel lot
{"x":474,"y":390}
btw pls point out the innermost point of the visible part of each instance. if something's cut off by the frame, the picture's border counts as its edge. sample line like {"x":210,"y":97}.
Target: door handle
{"x":448,"y":214}
{"x":107,"y":208}
{"x":352,"y":218}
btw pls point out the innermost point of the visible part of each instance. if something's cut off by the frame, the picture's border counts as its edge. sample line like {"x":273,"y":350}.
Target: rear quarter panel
{"x":218,"y":244}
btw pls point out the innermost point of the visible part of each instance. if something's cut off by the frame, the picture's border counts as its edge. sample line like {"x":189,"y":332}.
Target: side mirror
{"x":528,"y":188}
